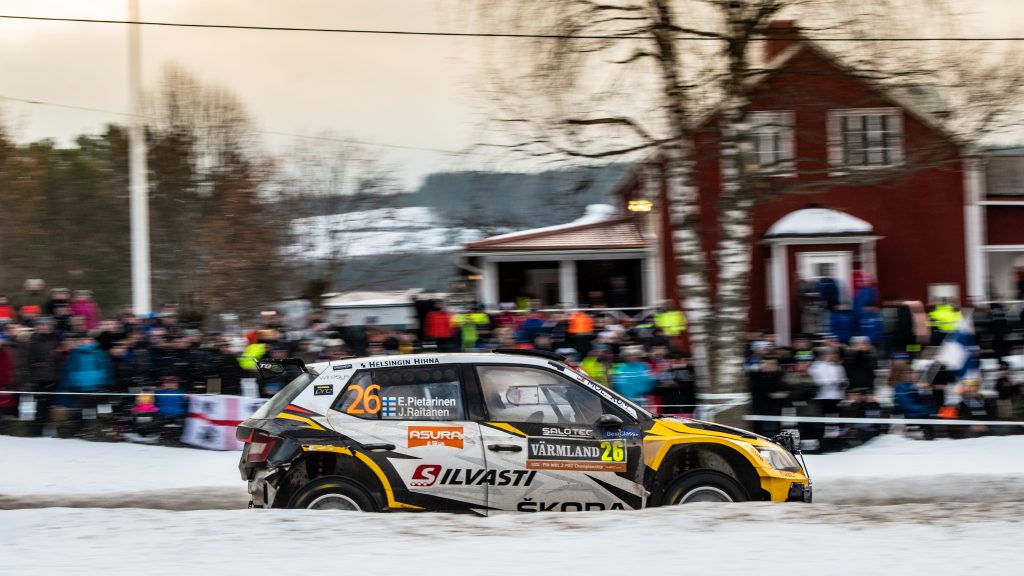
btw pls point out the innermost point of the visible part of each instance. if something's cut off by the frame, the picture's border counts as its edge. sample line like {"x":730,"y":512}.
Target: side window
{"x":522,"y":394}
{"x":421,"y":393}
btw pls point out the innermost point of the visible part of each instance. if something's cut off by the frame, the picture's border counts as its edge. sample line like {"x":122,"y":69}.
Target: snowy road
{"x":737,"y":539}
{"x":898,"y":505}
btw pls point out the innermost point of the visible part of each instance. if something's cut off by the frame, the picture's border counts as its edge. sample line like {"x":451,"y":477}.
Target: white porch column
{"x":567,"y":282}
{"x":780,"y":293}
{"x":973,"y":231}
{"x":489,"y":285}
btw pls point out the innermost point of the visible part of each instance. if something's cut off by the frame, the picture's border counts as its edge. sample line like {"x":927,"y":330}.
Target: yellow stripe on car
{"x":507,"y":428}
{"x":308,"y":423}
{"x":388,"y":491}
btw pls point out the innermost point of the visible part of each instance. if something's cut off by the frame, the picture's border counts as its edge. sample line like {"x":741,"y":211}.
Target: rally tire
{"x":704,"y":486}
{"x":333,"y":493}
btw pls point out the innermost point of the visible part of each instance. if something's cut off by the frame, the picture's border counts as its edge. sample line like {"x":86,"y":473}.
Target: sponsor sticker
{"x":528,"y":505}
{"x":418,"y":361}
{"x":342,"y":367}
{"x":427,"y":475}
{"x":620,"y":433}
{"x":576,"y":454}
{"x":608,"y":396}
{"x":451,"y":436}
{"x":323,"y":390}
{"x":567,"y":431}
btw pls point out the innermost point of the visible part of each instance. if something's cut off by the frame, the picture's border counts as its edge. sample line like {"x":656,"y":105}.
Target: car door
{"x":543,"y":442}
{"x":412,"y":422}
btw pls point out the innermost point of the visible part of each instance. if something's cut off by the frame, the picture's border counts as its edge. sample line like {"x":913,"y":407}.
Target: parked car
{"x":513,"y":430}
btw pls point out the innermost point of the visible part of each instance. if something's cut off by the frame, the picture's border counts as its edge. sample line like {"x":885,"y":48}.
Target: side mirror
{"x":268,"y":369}
{"x":790,"y":440}
{"x":609,"y":421}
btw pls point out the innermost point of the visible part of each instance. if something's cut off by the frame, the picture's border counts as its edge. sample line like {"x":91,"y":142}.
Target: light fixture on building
{"x":475,"y":277}
{"x":640,"y":206}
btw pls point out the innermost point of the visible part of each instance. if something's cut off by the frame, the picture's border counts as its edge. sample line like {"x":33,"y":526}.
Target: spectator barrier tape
{"x":894,"y":421}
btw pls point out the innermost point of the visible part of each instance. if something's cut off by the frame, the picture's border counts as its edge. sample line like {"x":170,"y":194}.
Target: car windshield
{"x":285,"y":396}
{"x":606,"y":392}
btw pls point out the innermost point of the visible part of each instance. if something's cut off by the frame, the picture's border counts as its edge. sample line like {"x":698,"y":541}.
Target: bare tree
{"x":340,"y":194}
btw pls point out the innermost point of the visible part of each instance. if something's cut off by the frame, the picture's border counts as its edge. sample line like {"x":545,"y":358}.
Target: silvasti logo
{"x":427,"y":475}
{"x":528,"y":505}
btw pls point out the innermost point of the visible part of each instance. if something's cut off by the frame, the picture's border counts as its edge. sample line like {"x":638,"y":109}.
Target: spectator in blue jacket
{"x":842,"y":323}
{"x":88,"y":368}
{"x":912,"y":400}
{"x":871,"y":324}
{"x":633,"y":377}
{"x":169,"y":398}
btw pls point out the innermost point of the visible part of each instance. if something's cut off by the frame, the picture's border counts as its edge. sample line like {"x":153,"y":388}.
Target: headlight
{"x":780,"y":459}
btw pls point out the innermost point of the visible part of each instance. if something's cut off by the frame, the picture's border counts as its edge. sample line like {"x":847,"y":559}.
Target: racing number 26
{"x":613,"y":451}
{"x":367,"y":400}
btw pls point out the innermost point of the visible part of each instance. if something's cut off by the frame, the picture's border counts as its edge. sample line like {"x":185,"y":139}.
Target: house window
{"x":865,"y":138}
{"x":771,"y":139}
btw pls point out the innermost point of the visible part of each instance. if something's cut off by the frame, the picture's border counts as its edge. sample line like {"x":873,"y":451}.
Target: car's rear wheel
{"x":704,"y":486}
{"x":333,"y":493}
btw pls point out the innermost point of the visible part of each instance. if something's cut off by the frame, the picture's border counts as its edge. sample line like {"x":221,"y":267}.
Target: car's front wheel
{"x":332,"y":493}
{"x":704,"y":486}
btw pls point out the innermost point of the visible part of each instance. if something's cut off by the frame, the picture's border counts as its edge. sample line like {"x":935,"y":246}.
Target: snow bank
{"x":50,"y":471}
{"x":894,"y":469}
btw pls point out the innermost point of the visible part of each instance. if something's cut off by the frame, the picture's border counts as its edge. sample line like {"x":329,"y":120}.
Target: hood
{"x":689,"y":426}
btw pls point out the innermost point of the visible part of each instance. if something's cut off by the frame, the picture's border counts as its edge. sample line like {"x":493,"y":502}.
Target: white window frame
{"x":892,"y":144}
{"x":775,"y":128}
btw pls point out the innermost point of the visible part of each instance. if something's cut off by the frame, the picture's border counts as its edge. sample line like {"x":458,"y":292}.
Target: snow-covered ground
{"x":961,"y":513}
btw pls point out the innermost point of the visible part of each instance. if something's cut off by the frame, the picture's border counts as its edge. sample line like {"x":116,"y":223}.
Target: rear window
{"x":285,"y":396}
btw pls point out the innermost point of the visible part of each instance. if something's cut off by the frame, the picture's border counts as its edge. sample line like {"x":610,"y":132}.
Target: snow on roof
{"x":593,"y":214}
{"x":818,"y":222}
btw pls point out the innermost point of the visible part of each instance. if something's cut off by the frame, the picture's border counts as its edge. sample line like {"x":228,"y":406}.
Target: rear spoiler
{"x":269,"y":368}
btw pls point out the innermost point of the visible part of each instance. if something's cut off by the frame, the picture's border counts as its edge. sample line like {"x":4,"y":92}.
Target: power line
{"x":497,"y":34}
{"x":266,"y":132}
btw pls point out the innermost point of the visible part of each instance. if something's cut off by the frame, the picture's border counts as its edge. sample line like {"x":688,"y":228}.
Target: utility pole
{"x":138,"y":183}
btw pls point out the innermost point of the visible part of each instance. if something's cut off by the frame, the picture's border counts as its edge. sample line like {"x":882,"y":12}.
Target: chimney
{"x":781,"y":34}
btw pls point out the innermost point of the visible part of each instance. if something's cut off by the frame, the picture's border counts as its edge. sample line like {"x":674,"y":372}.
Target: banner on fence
{"x":212,"y":420}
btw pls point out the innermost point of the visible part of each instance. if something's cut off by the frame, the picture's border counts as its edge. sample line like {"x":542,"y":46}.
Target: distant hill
{"x":515,"y":201}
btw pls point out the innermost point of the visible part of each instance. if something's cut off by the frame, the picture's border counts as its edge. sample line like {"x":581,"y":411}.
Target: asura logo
{"x":427,"y":475}
{"x":436,"y":436}
{"x":528,"y":505}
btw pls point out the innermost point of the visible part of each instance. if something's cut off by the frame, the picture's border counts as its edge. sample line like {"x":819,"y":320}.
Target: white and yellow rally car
{"x":512,"y":430}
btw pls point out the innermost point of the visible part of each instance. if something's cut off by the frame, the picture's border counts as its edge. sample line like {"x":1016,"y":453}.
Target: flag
{"x":959,"y":351}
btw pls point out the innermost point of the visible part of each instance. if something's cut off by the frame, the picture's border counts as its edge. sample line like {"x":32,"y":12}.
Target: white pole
{"x":137,"y":181}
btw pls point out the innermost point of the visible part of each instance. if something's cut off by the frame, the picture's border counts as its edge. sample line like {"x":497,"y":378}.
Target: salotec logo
{"x":436,"y":436}
{"x":427,"y":475}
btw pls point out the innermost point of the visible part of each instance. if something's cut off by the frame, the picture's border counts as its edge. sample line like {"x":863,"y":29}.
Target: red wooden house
{"x":814,"y":120}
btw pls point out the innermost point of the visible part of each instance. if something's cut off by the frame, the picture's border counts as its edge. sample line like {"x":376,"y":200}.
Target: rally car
{"x":512,"y":430}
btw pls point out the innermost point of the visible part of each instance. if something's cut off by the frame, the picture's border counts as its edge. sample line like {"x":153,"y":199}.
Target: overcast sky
{"x":407,"y":91}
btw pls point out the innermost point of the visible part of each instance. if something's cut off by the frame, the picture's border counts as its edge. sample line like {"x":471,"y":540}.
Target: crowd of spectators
{"x":831,"y":378}
{"x":62,"y":359}
{"x":64,"y":345}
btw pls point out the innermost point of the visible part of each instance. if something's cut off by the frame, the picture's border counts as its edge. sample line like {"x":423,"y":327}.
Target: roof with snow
{"x":597,"y":229}
{"x":818,"y":221}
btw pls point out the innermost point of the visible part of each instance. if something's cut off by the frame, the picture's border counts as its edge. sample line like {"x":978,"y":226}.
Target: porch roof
{"x":816,"y":221}
{"x":617,"y":234}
